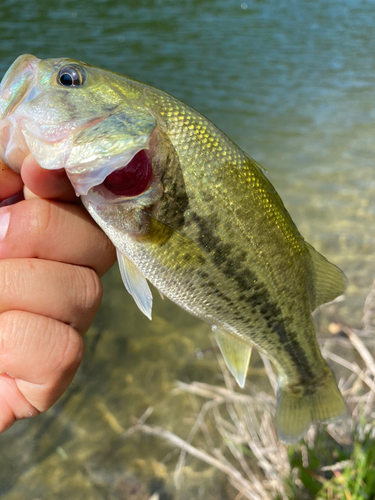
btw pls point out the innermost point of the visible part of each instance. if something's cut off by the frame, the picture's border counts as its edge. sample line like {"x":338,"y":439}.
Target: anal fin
{"x":136,"y":284}
{"x":236,"y":354}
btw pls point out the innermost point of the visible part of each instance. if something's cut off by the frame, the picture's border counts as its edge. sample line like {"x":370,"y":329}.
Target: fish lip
{"x":87,"y":178}
{"x":98,"y":195}
{"x":85,"y":182}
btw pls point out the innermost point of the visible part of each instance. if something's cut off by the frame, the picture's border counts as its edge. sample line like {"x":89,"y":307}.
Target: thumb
{"x":10,"y":182}
{"x":41,"y":183}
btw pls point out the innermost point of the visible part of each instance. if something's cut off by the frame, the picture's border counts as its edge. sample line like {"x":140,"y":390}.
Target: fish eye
{"x":71,"y":76}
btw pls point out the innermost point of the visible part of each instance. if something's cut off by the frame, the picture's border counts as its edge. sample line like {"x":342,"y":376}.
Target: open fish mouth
{"x":126,"y":174}
{"x":138,"y":179}
{"x":132,"y":179}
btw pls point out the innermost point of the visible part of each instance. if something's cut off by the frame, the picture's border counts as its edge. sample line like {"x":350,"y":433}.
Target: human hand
{"x":51,"y":257}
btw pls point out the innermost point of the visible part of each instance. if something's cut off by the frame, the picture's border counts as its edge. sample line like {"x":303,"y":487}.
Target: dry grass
{"x":238,"y":429}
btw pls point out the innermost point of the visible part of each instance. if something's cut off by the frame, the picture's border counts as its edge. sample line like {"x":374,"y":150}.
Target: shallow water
{"x":293,"y":84}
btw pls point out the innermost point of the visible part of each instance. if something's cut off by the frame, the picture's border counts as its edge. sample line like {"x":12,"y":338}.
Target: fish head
{"x":89,"y":121}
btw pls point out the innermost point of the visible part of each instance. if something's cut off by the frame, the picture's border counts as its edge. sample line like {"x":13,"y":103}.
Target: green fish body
{"x":188,"y":211}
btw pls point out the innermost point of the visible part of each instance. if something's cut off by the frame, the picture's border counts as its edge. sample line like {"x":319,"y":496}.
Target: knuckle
{"x":13,"y":280}
{"x":90,"y":288}
{"x":55,"y":346}
{"x":17,"y":332}
{"x":6,"y":278}
{"x":68,"y":351}
{"x":40,"y":215}
{"x":8,"y":331}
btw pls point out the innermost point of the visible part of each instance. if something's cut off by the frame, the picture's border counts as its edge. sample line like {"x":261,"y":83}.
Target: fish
{"x":189,"y":212}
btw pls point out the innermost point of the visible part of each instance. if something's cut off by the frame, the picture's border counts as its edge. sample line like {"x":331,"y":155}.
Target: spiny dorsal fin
{"x":235,"y":352}
{"x":330,"y":281}
{"x":135,"y":283}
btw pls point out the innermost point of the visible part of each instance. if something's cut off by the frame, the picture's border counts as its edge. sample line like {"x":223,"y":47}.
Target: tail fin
{"x":296,"y":412}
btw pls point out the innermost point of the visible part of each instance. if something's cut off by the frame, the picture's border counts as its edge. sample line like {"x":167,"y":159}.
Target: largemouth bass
{"x":188,"y":211}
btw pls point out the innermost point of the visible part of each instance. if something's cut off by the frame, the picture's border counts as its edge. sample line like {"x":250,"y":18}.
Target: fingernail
{"x":4,"y":222}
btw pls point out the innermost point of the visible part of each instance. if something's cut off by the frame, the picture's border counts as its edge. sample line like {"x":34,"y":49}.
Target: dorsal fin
{"x":135,"y":283}
{"x":330,"y":281}
{"x":235,"y":352}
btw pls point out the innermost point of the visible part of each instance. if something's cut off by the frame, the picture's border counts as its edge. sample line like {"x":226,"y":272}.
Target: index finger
{"x":57,"y":231}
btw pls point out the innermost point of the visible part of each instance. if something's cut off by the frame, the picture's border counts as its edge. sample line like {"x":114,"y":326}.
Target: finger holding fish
{"x":50,"y":255}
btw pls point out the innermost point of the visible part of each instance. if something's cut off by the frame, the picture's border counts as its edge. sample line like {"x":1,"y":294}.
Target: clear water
{"x":293,"y":84}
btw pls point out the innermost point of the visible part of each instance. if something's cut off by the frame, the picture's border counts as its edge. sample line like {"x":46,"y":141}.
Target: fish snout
{"x":16,"y":83}
{"x":17,"y":86}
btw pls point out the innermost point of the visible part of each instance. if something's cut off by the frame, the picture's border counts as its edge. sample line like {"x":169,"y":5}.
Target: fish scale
{"x":209,"y":231}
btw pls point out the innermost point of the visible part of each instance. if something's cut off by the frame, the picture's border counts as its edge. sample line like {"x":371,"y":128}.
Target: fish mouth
{"x":127,"y":174}
{"x":128,"y":171}
{"x":121,"y":175}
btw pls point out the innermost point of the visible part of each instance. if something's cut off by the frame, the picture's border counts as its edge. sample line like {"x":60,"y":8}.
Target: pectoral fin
{"x":236,"y":354}
{"x":136,"y":284}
